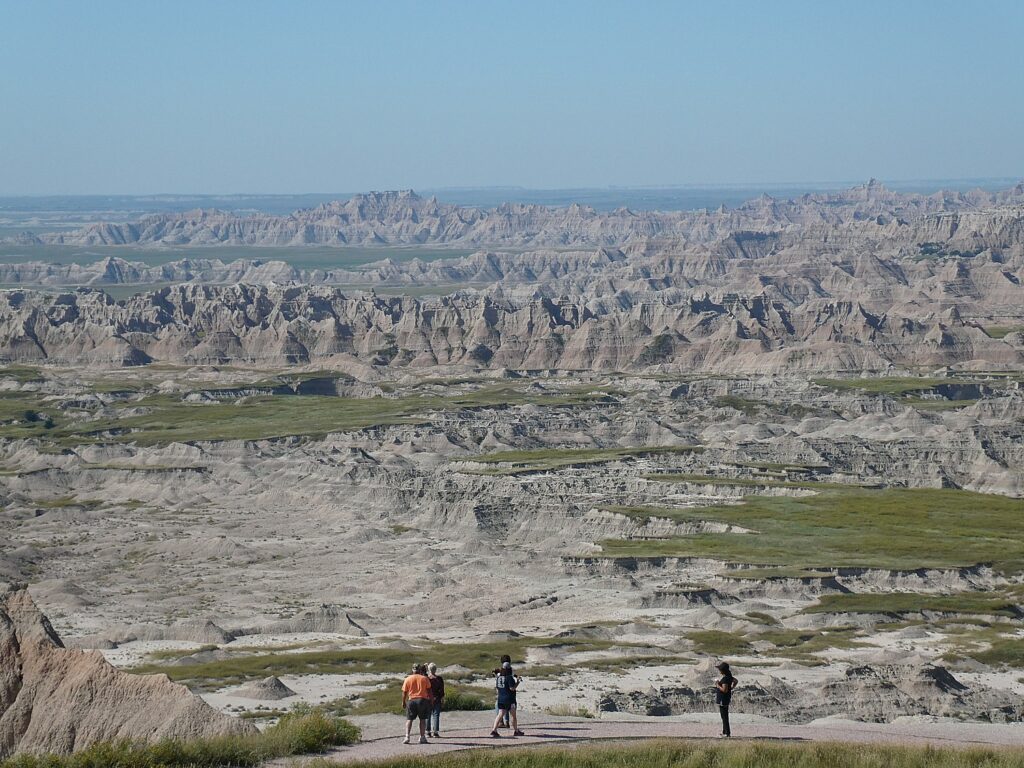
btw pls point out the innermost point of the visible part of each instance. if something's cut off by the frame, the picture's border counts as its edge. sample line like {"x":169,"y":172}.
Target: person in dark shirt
{"x":504,"y":719}
{"x":505,"y":683}
{"x":437,"y":702}
{"x":723,"y":695}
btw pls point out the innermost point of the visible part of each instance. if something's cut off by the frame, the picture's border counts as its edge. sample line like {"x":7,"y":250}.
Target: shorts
{"x":417,"y":708}
{"x":508,"y":704}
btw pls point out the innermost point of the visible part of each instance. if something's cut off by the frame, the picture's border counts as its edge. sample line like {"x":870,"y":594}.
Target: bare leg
{"x":512,"y":716}
{"x":497,"y":720}
{"x":408,"y":728}
{"x":423,"y":728}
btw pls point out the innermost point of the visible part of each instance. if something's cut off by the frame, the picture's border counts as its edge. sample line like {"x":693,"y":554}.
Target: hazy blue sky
{"x":220,"y":96}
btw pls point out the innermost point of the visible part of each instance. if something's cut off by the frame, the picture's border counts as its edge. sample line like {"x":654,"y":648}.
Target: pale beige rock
{"x":58,"y":700}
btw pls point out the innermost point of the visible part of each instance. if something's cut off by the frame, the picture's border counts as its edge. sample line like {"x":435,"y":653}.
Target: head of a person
{"x":432,"y":668}
{"x":420,"y":669}
{"x":506,"y":666}
{"x":722,"y":667}
{"x":506,"y":659}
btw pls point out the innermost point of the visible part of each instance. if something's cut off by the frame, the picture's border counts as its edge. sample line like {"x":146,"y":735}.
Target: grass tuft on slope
{"x":303,"y":732}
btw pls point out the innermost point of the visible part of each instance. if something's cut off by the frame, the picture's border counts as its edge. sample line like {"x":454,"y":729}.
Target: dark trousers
{"x":724,"y":710}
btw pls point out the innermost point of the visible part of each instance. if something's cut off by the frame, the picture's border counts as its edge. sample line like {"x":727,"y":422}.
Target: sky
{"x":229,"y":96}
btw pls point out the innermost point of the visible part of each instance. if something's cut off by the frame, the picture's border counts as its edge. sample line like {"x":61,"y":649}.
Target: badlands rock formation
{"x":242,"y":324}
{"x":874,"y":693}
{"x":406,"y":218}
{"x":864,"y":281}
{"x":57,"y":700}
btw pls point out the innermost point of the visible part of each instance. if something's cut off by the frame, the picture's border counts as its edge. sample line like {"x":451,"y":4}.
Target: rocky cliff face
{"x":57,"y":700}
{"x":756,"y":333}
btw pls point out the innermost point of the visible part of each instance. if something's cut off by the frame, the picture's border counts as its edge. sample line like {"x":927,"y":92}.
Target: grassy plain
{"x":898,"y":529}
{"x":167,"y":419}
{"x":973,"y":603}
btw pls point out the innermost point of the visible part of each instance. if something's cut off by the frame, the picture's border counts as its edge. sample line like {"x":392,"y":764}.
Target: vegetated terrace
{"x":160,"y":419}
{"x":896,"y":529}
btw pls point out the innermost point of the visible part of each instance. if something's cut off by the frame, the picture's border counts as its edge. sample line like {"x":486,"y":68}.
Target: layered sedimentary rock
{"x":406,"y":218}
{"x":58,"y":700}
{"x":876,"y":693}
{"x":758,"y":333}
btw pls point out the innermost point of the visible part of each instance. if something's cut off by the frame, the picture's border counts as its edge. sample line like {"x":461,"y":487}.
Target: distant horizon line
{"x":841,"y":184}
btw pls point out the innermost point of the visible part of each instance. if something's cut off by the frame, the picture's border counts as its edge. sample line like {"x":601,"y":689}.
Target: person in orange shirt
{"x":416,"y":701}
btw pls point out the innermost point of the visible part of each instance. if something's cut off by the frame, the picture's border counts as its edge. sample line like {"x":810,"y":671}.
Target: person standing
{"x":437,"y":700}
{"x":416,"y":702}
{"x":505,"y":683}
{"x":723,"y":695}
{"x":504,"y":719}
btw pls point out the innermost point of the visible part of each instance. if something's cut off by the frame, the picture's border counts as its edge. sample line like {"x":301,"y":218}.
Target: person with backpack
{"x":505,"y":684}
{"x":723,"y":695}
{"x":437,"y":699}
{"x":416,"y":699}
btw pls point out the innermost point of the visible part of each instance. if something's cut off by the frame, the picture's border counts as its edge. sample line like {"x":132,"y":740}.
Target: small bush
{"x":568,"y":710}
{"x":460,"y":701}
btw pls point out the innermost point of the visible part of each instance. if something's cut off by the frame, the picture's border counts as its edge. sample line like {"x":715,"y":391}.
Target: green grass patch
{"x":168,"y":419}
{"x":481,"y":657}
{"x":760,"y":574}
{"x":305,"y":731}
{"x":1001,"y":652}
{"x":1002,"y":331}
{"x":701,"y":753}
{"x":714,"y":642}
{"x":388,"y":700}
{"x":890,"y":385}
{"x":976,"y":603}
{"x":743,"y":482}
{"x":895,"y":529}
{"x":548,"y":459}
{"x":23,"y":374}
{"x":932,"y":404}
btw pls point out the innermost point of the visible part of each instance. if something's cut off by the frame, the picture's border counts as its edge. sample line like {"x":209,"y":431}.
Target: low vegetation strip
{"x":893,"y":529}
{"x":700,"y":754}
{"x":303,"y":732}
{"x":893,"y":385}
{"x":976,"y":603}
{"x":550,"y":459}
{"x":160,"y":419}
{"x":745,"y":482}
{"x":474,"y":656}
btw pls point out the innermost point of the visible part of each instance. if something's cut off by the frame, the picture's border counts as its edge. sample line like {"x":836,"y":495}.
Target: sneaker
{"x":517,"y":732}
{"x":423,"y":740}
{"x":406,"y":740}
{"x":495,"y":735}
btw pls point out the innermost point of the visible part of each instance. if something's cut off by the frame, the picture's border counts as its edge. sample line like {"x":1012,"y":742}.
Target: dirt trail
{"x":469,"y":731}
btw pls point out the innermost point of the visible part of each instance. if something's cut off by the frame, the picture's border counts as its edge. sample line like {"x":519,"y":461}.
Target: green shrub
{"x":461,"y":701}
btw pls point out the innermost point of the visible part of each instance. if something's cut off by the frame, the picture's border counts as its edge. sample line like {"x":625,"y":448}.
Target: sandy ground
{"x":468,"y":730}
